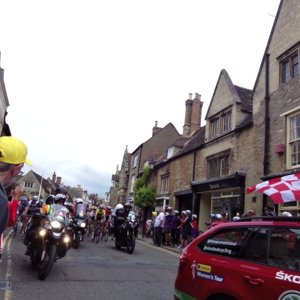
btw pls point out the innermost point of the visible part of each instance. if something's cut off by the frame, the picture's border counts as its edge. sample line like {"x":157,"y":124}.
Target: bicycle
{"x":97,"y":232}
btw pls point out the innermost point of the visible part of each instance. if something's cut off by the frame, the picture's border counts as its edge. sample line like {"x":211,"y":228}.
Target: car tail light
{"x":182,"y":262}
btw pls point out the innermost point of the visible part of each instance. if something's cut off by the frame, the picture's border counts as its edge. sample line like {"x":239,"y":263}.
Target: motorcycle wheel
{"x":47,"y":262}
{"x":76,"y":240}
{"x":118,"y":246}
{"x":35,"y":258}
{"x":130,"y":244}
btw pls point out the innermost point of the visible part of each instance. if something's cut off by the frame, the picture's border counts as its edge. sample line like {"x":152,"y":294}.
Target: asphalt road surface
{"x":93,"y":271}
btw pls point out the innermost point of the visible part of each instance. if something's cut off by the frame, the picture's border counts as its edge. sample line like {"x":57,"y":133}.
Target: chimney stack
{"x":155,"y":129}
{"x":193,"y":113}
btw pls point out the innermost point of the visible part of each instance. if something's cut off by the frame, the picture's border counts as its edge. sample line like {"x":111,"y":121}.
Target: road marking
{"x":159,"y":248}
{"x":8,"y":290}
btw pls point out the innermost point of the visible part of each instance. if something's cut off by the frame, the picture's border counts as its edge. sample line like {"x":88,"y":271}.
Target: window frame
{"x":292,"y":140}
{"x":164,"y":183}
{"x":289,"y":67}
{"x":218,"y":165}
{"x":220,"y":123}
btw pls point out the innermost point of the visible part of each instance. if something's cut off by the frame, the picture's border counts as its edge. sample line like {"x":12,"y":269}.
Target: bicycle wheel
{"x":97,"y":235}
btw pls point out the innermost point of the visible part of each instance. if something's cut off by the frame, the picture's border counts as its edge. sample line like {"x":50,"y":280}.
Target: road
{"x":94,"y":271}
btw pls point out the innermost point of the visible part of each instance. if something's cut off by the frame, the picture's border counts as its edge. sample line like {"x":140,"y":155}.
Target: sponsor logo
{"x":288,"y":277}
{"x":210,"y":276}
{"x":290,"y":295}
{"x":203,"y":268}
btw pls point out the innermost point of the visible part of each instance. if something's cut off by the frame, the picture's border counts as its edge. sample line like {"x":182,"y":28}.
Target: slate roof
{"x":246,"y":97}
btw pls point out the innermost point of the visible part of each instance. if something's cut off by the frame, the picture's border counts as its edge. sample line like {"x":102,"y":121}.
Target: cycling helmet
{"x":188,"y":212}
{"x":23,"y":198}
{"x":219,"y":216}
{"x":35,"y":198}
{"x":176,"y":212}
{"x":194,"y":216}
{"x":60,"y":197}
{"x":108,"y":207}
{"x":286,"y":214}
{"x":101,"y":206}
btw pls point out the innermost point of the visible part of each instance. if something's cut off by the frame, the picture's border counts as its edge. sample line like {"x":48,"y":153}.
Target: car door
{"x":235,"y":261}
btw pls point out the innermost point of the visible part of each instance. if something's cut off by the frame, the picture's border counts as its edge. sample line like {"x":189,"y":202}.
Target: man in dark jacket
{"x":13,"y":155}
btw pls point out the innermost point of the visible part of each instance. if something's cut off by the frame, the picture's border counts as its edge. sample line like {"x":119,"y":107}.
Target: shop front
{"x":223,"y":196}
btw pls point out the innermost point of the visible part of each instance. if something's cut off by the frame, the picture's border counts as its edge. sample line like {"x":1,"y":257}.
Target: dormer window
{"x":220,"y":124}
{"x":170,"y":152}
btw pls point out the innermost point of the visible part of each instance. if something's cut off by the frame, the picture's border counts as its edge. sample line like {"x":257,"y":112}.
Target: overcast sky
{"x":86,"y":78}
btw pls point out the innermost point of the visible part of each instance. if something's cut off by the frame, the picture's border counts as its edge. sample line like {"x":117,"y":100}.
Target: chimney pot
{"x":190,"y":96}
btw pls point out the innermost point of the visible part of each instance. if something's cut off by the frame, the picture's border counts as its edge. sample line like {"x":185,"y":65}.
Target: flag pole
{"x":40,"y":190}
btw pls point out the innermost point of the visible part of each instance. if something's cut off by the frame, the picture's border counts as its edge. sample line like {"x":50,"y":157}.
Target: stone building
{"x":4,"y":103}
{"x":276,"y":104}
{"x":149,"y":152}
{"x":250,"y":135}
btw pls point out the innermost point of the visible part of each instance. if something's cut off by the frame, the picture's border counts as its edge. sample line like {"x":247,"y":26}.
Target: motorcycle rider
{"x":46,"y":209}
{"x":122,"y":213}
{"x":119,"y":217}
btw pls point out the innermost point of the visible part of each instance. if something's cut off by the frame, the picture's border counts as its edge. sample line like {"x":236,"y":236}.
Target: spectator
{"x":175,"y":228}
{"x":13,"y":155}
{"x":186,"y":229}
{"x":158,"y":228}
{"x":194,"y":225}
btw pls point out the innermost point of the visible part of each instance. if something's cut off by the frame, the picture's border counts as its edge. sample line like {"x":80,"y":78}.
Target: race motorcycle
{"x":79,"y":230}
{"x":124,"y":236}
{"x":49,"y":239}
{"x":79,"y":225}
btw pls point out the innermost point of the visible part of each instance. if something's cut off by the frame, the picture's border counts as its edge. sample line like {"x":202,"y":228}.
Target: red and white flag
{"x":280,"y":189}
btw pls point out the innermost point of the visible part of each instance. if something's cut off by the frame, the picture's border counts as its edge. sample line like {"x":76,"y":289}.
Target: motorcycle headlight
{"x":82,"y":225}
{"x":42,"y":232}
{"x":66,"y":239}
{"x":56,"y":224}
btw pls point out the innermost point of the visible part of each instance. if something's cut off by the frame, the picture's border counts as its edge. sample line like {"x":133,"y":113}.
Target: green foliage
{"x":145,"y":196}
{"x":144,"y":193}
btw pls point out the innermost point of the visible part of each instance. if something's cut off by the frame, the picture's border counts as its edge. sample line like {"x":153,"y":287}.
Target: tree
{"x":144,"y":193}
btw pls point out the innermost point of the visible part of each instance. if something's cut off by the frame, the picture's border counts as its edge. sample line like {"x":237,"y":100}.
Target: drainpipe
{"x":266,"y":162}
{"x":194,"y":194}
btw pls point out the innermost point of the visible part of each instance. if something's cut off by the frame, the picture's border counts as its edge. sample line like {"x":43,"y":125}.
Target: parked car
{"x":253,"y":258}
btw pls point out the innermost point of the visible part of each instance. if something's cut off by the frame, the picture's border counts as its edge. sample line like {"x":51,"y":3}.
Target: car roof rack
{"x":268,"y":218}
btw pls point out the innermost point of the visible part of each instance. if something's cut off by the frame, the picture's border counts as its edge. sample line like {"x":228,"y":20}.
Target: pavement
{"x":150,"y":242}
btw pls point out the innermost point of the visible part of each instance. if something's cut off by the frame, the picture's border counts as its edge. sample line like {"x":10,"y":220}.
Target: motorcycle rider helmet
{"x":79,"y":201}
{"x":119,"y":206}
{"x":127,"y":206}
{"x":60,"y":198}
{"x":49,"y":199}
